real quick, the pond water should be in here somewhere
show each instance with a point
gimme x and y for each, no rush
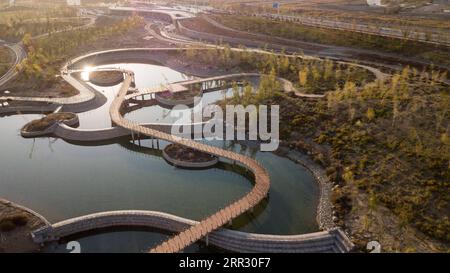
(146, 76)
(61, 180)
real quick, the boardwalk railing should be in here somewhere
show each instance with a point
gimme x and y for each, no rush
(333, 240)
(223, 216)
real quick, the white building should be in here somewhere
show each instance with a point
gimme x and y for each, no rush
(12, 3)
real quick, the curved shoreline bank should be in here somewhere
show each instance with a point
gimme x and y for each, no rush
(324, 213)
(20, 239)
(333, 240)
(106, 78)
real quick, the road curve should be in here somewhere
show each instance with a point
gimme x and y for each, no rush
(347, 54)
(440, 38)
(21, 54)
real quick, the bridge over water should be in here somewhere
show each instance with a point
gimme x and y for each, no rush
(191, 231)
(223, 216)
(324, 241)
(207, 228)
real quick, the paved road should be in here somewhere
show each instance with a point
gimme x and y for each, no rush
(440, 38)
(90, 23)
(352, 55)
(173, 38)
(19, 55)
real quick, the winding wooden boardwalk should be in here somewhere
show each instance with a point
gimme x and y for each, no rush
(331, 240)
(223, 216)
(183, 85)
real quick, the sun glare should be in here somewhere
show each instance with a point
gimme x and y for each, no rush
(85, 73)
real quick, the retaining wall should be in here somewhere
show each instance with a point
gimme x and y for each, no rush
(191, 165)
(11, 110)
(325, 241)
(75, 134)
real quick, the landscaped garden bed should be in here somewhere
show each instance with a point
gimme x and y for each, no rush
(106, 78)
(181, 156)
(46, 124)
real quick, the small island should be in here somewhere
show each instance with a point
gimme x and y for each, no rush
(106, 78)
(185, 157)
(46, 124)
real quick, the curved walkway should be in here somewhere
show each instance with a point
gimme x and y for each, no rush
(287, 85)
(167, 37)
(191, 231)
(333, 240)
(223, 216)
(88, 98)
(20, 55)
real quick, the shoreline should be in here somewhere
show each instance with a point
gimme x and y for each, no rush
(324, 211)
(19, 239)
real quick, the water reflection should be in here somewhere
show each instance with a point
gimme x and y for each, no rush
(146, 76)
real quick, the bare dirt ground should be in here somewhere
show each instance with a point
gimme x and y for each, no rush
(18, 240)
(380, 224)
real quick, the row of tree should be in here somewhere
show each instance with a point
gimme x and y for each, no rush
(436, 54)
(16, 24)
(309, 75)
(398, 131)
(44, 53)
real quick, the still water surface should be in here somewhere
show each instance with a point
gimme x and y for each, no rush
(61, 180)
